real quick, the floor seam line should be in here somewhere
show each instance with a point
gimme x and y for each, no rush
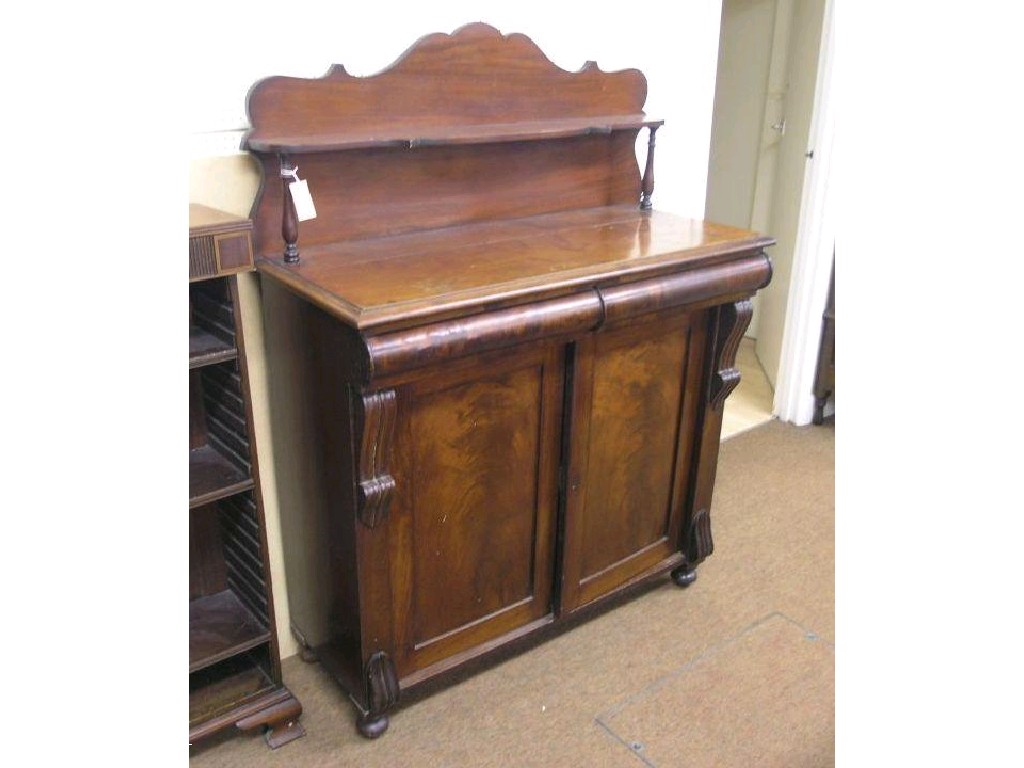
(615, 709)
(607, 729)
(807, 631)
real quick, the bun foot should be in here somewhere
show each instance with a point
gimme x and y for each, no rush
(684, 575)
(372, 726)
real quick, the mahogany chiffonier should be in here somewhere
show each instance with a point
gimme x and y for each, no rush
(234, 663)
(497, 373)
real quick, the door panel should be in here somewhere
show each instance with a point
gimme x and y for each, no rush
(633, 427)
(473, 528)
(479, 495)
(632, 423)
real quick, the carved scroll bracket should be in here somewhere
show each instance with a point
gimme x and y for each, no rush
(376, 486)
(382, 693)
(701, 545)
(732, 322)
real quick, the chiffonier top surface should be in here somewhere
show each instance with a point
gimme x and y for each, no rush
(385, 281)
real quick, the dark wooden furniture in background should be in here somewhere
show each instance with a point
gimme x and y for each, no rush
(825, 376)
(497, 374)
(234, 663)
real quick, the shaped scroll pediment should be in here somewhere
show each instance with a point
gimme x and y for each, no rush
(475, 76)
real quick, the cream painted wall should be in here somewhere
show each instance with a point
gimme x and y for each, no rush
(227, 182)
(674, 44)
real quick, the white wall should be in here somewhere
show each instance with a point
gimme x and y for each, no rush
(675, 44)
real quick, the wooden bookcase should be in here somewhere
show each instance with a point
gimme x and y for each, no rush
(234, 661)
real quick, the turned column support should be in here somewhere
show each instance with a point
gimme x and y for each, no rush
(376, 422)
(381, 695)
(289, 218)
(647, 184)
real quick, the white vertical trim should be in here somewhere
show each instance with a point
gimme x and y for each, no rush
(812, 257)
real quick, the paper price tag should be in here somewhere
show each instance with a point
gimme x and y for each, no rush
(303, 201)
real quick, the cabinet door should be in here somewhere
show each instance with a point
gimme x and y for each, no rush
(473, 516)
(634, 405)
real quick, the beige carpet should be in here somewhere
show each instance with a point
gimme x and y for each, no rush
(738, 670)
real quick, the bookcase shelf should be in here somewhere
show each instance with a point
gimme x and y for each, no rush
(220, 626)
(218, 690)
(212, 477)
(206, 349)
